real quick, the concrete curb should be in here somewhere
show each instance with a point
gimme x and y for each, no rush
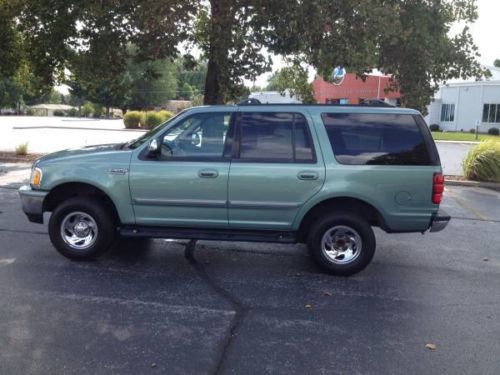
(76, 128)
(468, 183)
(459, 142)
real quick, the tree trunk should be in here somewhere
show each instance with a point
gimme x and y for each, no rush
(107, 111)
(220, 40)
(213, 94)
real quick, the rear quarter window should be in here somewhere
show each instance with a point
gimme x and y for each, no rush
(376, 139)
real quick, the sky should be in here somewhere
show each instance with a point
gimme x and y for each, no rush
(486, 31)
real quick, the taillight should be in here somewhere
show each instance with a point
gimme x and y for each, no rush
(437, 188)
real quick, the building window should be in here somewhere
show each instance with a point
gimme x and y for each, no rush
(491, 113)
(448, 112)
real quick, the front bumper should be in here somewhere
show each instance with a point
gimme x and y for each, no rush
(32, 201)
(439, 221)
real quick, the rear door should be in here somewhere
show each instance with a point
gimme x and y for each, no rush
(388, 159)
(275, 168)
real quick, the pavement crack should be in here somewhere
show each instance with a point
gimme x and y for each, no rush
(239, 308)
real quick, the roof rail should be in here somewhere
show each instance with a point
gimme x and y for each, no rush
(250, 101)
(256, 102)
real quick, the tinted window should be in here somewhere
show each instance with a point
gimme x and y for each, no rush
(275, 137)
(376, 139)
(199, 135)
(303, 141)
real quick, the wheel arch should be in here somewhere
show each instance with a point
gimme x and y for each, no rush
(341, 203)
(68, 190)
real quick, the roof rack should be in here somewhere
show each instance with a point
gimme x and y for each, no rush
(317, 105)
(366, 103)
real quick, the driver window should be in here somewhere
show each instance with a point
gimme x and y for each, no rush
(200, 135)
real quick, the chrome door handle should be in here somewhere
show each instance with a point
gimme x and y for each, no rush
(307, 175)
(208, 173)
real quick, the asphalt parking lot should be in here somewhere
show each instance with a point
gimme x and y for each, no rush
(245, 308)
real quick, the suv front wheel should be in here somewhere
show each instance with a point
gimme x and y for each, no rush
(341, 243)
(81, 228)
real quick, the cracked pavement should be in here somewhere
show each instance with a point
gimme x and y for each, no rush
(248, 308)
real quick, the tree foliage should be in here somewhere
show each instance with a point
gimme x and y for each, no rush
(293, 78)
(409, 39)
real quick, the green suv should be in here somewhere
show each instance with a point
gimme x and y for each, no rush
(316, 174)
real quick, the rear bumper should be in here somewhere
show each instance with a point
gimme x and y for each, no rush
(32, 201)
(439, 221)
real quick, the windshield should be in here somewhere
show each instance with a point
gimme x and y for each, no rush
(133, 144)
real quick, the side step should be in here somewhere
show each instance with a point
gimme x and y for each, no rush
(209, 234)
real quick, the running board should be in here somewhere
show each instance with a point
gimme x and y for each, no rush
(209, 234)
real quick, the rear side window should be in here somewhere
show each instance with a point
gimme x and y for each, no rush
(274, 137)
(376, 139)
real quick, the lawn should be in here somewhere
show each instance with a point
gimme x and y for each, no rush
(462, 136)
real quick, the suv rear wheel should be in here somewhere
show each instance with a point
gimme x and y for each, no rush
(81, 228)
(341, 243)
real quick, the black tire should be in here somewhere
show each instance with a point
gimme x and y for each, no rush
(105, 234)
(338, 222)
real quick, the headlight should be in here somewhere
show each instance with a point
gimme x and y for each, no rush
(36, 177)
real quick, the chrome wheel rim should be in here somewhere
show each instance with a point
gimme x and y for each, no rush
(79, 230)
(341, 244)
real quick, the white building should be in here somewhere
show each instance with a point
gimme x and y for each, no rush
(49, 109)
(268, 97)
(458, 106)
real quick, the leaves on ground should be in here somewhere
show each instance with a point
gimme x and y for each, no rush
(431, 346)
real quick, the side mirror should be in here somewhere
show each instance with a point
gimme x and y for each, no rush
(153, 147)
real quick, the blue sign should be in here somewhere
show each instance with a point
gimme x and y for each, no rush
(338, 75)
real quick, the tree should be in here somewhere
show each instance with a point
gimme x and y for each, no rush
(191, 72)
(153, 82)
(231, 46)
(407, 38)
(77, 94)
(419, 52)
(91, 39)
(10, 41)
(497, 63)
(293, 78)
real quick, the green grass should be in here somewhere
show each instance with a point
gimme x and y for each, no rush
(459, 136)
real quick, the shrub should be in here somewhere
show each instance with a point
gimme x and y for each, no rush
(98, 110)
(152, 119)
(493, 131)
(472, 131)
(73, 112)
(22, 149)
(30, 112)
(143, 119)
(58, 113)
(482, 163)
(132, 119)
(165, 115)
(87, 109)
(434, 128)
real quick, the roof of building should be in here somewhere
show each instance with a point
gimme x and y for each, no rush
(52, 107)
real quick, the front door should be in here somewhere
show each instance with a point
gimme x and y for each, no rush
(187, 185)
(275, 169)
